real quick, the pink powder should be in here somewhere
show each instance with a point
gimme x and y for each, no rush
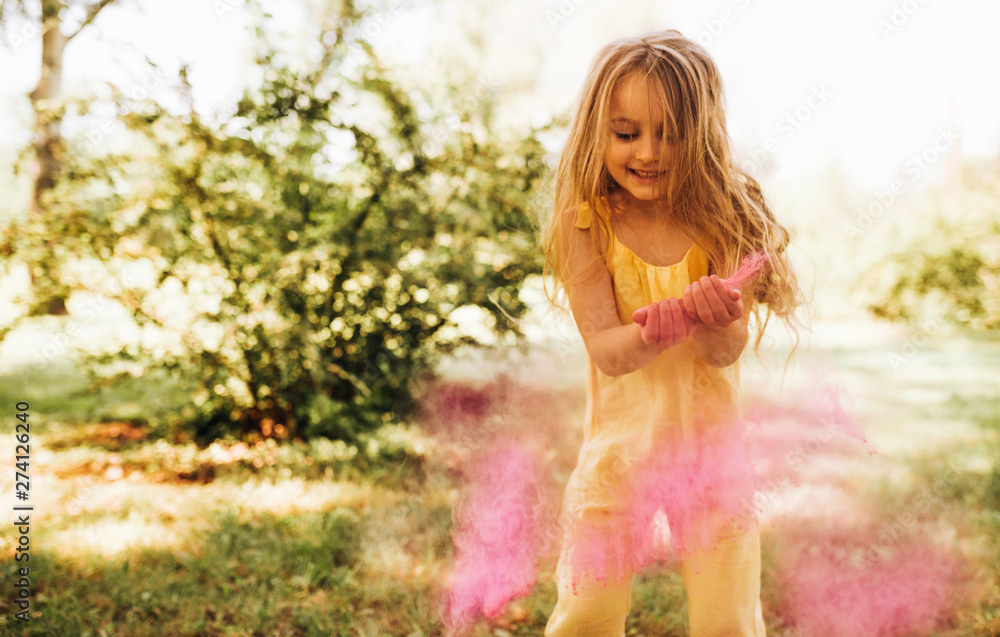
(710, 486)
(469, 418)
(501, 443)
(836, 594)
(505, 523)
(495, 536)
(704, 486)
(750, 267)
(788, 436)
(454, 410)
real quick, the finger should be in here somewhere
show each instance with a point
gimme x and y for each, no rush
(651, 330)
(734, 286)
(692, 315)
(689, 322)
(639, 316)
(678, 323)
(666, 322)
(688, 301)
(730, 298)
(705, 313)
(717, 299)
(738, 310)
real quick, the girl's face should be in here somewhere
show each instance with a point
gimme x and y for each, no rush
(635, 130)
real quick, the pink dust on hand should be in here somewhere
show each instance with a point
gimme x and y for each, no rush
(497, 530)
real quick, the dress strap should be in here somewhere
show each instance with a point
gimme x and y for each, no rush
(584, 215)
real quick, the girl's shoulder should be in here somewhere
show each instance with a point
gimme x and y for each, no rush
(598, 215)
(594, 220)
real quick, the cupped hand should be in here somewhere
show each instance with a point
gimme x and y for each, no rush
(721, 300)
(712, 302)
(664, 323)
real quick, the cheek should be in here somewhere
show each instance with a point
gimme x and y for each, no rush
(618, 154)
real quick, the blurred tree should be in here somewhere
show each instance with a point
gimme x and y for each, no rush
(301, 258)
(48, 18)
(950, 271)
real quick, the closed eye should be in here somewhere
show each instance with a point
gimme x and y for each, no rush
(626, 136)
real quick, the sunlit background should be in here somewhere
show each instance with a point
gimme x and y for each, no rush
(896, 72)
(824, 100)
(873, 127)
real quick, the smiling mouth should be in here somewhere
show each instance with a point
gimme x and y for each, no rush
(645, 174)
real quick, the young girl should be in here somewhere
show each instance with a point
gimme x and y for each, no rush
(651, 215)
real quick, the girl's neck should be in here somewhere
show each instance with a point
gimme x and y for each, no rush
(628, 206)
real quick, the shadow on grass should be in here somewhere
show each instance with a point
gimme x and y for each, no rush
(269, 575)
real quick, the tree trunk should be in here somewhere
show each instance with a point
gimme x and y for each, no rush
(48, 136)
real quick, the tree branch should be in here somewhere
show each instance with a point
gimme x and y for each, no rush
(92, 12)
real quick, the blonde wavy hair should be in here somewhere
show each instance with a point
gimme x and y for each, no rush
(709, 196)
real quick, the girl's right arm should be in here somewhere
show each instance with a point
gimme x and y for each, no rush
(616, 349)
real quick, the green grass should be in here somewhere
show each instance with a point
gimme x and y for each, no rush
(247, 578)
(135, 536)
(659, 606)
(59, 396)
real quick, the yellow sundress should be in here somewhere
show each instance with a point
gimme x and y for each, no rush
(676, 395)
(674, 398)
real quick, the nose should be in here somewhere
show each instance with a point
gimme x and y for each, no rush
(647, 149)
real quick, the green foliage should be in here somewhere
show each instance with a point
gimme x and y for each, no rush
(950, 272)
(992, 495)
(295, 265)
(950, 280)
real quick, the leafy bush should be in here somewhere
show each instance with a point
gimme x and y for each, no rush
(295, 265)
(950, 271)
(952, 281)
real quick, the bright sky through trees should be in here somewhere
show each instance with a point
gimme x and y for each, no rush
(867, 85)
